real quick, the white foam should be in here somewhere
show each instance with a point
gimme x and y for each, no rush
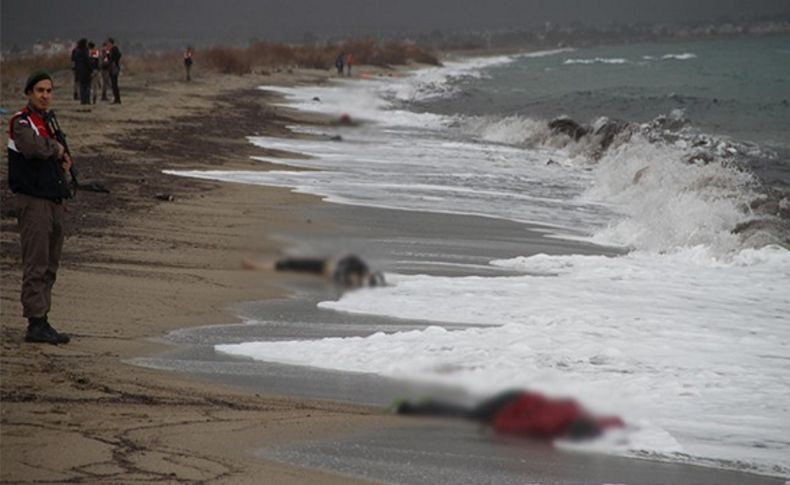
(359, 100)
(641, 194)
(668, 202)
(687, 338)
(679, 57)
(514, 130)
(598, 60)
(443, 81)
(685, 346)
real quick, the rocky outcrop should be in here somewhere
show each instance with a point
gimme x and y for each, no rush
(567, 126)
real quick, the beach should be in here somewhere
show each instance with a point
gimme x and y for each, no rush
(135, 267)
(151, 281)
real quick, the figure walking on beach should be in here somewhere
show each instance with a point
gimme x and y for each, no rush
(115, 69)
(188, 62)
(339, 62)
(37, 164)
(349, 62)
(523, 413)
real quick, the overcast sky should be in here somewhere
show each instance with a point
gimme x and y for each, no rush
(207, 21)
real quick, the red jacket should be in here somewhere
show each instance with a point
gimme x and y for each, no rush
(540, 417)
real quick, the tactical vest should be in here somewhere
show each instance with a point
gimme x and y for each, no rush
(43, 178)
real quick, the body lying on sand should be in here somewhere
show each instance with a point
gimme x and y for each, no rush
(522, 413)
(348, 272)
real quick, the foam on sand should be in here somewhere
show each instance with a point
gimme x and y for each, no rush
(684, 346)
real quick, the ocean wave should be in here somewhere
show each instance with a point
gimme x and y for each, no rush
(679, 57)
(667, 202)
(597, 60)
(512, 130)
(674, 187)
(442, 81)
(685, 56)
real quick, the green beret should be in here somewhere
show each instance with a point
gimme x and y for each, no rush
(35, 77)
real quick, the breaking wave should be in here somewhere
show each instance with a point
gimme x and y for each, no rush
(673, 186)
(597, 60)
(679, 57)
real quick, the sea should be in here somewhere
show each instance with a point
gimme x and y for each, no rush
(673, 156)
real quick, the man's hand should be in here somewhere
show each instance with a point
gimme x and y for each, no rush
(66, 162)
(61, 152)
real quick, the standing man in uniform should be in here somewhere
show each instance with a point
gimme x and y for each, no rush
(95, 61)
(37, 165)
(105, 70)
(115, 69)
(82, 69)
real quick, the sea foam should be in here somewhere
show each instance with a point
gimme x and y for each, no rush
(681, 345)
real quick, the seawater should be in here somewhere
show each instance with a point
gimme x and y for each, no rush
(686, 335)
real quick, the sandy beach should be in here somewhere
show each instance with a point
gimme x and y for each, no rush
(162, 253)
(135, 267)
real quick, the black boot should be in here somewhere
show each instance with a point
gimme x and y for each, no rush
(40, 331)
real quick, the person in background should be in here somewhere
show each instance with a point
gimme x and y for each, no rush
(37, 165)
(339, 62)
(75, 86)
(188, 62)
(95, 62)
(349, 62)
(82, 70)
(523, 413)
(105, 70)
(115, 69)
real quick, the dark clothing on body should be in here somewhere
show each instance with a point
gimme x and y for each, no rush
(349, 271)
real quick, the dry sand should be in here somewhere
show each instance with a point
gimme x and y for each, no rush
(135, 267)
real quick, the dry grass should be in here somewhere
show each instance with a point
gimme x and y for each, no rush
(152, 63)
(226, 60)
(272, 55)
(16, 71)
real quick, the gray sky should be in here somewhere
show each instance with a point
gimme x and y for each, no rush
(207, 21)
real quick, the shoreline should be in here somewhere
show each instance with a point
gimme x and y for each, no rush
(297, 317)
(337, 213)
(341, 210)
(195, 430)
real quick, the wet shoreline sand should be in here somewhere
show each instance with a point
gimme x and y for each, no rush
(414, 450)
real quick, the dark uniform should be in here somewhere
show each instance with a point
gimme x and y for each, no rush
(115, 69)
(83, 70)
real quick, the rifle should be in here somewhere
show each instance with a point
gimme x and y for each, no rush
(54, 128)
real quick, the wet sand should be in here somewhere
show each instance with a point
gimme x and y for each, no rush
(135, 267)
(418, 451)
